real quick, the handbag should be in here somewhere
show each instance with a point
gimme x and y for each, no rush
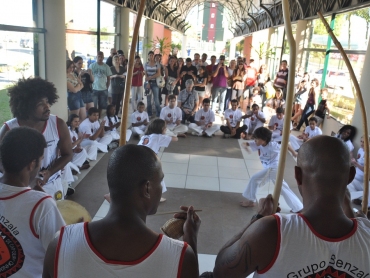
(161, 82)
(170, 84)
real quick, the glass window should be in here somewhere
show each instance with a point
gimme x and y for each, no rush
(12, 14)
(82, 45)
(107, 17)
(16, 56)
(81, 15)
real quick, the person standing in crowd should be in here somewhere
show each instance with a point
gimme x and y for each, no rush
(173, 77)
(322, 109)
(158, 60)
(239, 75)
(86, 79)
(196, 62)
(300, 99)
(152, 71)
(125, 245)
(137, 83)
(330, 228)
(219, 86)
(201, 83)
(74, 87)
(229, 83)
(204, 60)
(210, 76)
(30, 102)
(281, 79)
(30, 218)
(250, 82)
(310, 104)
(109, 61)
(188, 71)
(263, 78)
(188, 102)
(118, 82)
(101, 79)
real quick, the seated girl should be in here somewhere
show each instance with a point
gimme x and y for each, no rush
(112, 123)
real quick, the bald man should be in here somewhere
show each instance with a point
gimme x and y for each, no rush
(321, 241)
(121, 245)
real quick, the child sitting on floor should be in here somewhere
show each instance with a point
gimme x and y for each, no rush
(253, 119)
(112, 123)
(276, 124)
(139, 120)
(269, 153)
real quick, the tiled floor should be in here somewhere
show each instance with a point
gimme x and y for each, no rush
(209, 173)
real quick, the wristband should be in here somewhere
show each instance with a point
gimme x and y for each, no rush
(256, 217)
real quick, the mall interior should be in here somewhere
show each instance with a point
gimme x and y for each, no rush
(36, 37)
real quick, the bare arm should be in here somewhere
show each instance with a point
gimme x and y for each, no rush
(74, 89)
(226, 72)
(190, 264)
(99, 132)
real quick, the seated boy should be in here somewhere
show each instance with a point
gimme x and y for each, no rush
(233, 117)
(139, 120)
(172, 115)
(276, 124)
(253, 119)
(204, 119)
(310, 131)
(94, 131)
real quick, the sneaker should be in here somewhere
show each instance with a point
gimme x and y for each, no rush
(113, 145)
(209, 136)
(227, 135)
(70, 191)
(194, 133)
(162, 200)
(75, 178)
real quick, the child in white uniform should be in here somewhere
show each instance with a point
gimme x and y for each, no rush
(269, 152)
(310, 131)
(112, 123)
(346, 134)
(253, 119)
(276, 124)
(139, 120)
(204, 119)
(155, 137)
(94, 131)
(358, 182)
(172, 115)
(233, 117)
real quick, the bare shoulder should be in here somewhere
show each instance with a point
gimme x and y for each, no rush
(189, 264)
(62, 127)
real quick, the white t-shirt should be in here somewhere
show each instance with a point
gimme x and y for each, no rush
(348, 143)
(74, 136)
(28, 221)
(360, 160)
(269, 154)
(233, 116)
(274, 121)
(312, 133)
(172, 115)
(88, 127)
(113, 121)
(155, 141)
(254, 121)
(204, 117)
(139, 117)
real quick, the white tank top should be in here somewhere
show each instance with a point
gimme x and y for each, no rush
(302, 252)
(51, 135)
(28, 221)
(77, 257)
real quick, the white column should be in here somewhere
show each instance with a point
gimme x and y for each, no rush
(364, 85)
(184, 50)
(299, 40)
(124, 30)
(149, 30)
(233, 43)
(55, 53)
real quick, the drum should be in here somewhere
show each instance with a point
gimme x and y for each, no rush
(73, 212)
(173, 228)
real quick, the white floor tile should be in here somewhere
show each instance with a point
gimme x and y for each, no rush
(174, 180)
(175, 157)
(233, 185)
(254, 164)
(103, 210)
(233, 173)
(231, 162)
(174, 168)
(203, 160)
(202, 183)
(206, 262)
(203, 171)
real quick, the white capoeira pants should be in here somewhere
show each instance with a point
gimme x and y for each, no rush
(295, 142)
(138, 130)
(199, 129)
(67, 175)
(100, 143)
(356, 189)
(276, 135)
(92, 151)
(164, 188)
(79, 158)
(174, 131)
(265, 175)
(116, 136)
(55, 189)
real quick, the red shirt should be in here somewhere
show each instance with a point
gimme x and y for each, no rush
(137, 79)
(251, 76)
(209, 71)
